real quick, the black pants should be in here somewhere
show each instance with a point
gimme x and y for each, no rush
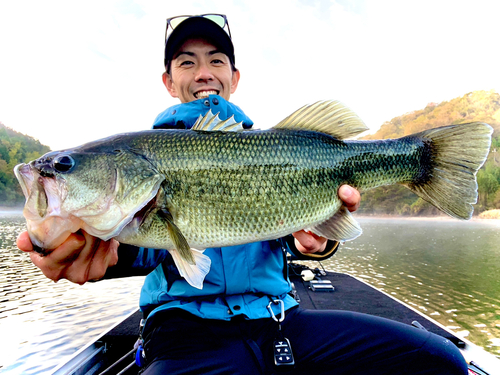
(323, 342)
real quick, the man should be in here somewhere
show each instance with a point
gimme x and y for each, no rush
(231, 324)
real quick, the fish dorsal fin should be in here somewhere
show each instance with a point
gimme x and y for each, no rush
(209, 122)
(330, 117)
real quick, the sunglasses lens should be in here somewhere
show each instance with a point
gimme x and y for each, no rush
(174, 22)
(219, 20)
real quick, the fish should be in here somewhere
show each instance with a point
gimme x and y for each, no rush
(219, 185)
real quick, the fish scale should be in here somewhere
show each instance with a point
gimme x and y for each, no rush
(249, 186)
(182, 190)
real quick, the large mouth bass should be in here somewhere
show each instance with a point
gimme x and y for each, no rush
(212, 186)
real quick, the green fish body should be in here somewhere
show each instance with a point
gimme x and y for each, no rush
(209, 187)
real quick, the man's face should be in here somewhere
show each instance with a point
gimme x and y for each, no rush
(199, 69)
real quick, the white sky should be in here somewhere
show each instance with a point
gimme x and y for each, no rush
(75, 71)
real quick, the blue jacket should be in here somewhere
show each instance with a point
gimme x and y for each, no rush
(242, 279)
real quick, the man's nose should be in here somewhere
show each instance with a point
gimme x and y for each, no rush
(203, 73)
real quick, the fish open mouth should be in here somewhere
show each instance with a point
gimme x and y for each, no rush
(25, 176)
(37, 189)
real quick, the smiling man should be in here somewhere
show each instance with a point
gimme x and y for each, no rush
(200, 70)
(229, 326)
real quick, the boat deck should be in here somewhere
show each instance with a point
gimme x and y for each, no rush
(354, 295)
(349, 293)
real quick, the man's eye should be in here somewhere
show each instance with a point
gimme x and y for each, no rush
(186, 63)
(217, 61)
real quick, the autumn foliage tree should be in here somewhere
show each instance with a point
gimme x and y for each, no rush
(481, 106)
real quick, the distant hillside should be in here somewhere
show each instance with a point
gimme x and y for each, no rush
(15, 148)
(475, 106)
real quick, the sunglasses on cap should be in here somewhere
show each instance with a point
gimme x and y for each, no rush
(219, 19)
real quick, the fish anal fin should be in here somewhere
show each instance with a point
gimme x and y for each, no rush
(340, 227)
(193, 273)
(330, 117)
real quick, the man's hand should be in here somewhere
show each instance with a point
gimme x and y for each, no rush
(80, 258)
(309, 243)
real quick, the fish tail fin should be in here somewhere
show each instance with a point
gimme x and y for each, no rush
(456, 154)
(193, 273)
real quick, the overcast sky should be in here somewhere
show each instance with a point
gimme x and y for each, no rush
(75, 71)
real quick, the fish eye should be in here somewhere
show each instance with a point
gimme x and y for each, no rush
(63, 163)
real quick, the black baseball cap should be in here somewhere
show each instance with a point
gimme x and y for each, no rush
(211, 27)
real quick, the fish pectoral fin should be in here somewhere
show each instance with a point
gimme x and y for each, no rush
(193, 273)
(340, 227)
(178, 239)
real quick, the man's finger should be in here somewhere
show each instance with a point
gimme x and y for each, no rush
(350, 197)
(309, 242)
(23, 242)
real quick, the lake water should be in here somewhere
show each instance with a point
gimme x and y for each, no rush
(448, 269)
(42, 322)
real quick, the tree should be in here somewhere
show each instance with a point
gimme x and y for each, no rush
(15, 148)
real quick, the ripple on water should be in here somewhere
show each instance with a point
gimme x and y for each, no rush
(47, 322)
(457, 286)
(446, 269)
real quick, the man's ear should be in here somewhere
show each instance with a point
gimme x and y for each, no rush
(234, 81)
(169, 84)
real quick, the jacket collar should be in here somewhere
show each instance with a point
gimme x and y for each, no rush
(184, 115)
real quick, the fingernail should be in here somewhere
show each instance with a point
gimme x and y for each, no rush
(346, 191)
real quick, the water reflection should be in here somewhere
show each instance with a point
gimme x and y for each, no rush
(446, 269)
(43, 322)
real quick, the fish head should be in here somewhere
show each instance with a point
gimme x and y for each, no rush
(98, 191)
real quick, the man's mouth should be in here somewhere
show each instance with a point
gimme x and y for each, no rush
(205, 94)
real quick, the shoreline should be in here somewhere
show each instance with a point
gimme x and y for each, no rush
(430, 218)
(19, 211)
(10, 210)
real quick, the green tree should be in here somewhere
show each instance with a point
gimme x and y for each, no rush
(15, 148)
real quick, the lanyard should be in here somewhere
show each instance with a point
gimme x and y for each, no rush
(282, 349)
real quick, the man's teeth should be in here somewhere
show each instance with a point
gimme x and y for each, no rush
(205, 94)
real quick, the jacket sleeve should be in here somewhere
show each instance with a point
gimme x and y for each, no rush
(135, 261)
(289, 245)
